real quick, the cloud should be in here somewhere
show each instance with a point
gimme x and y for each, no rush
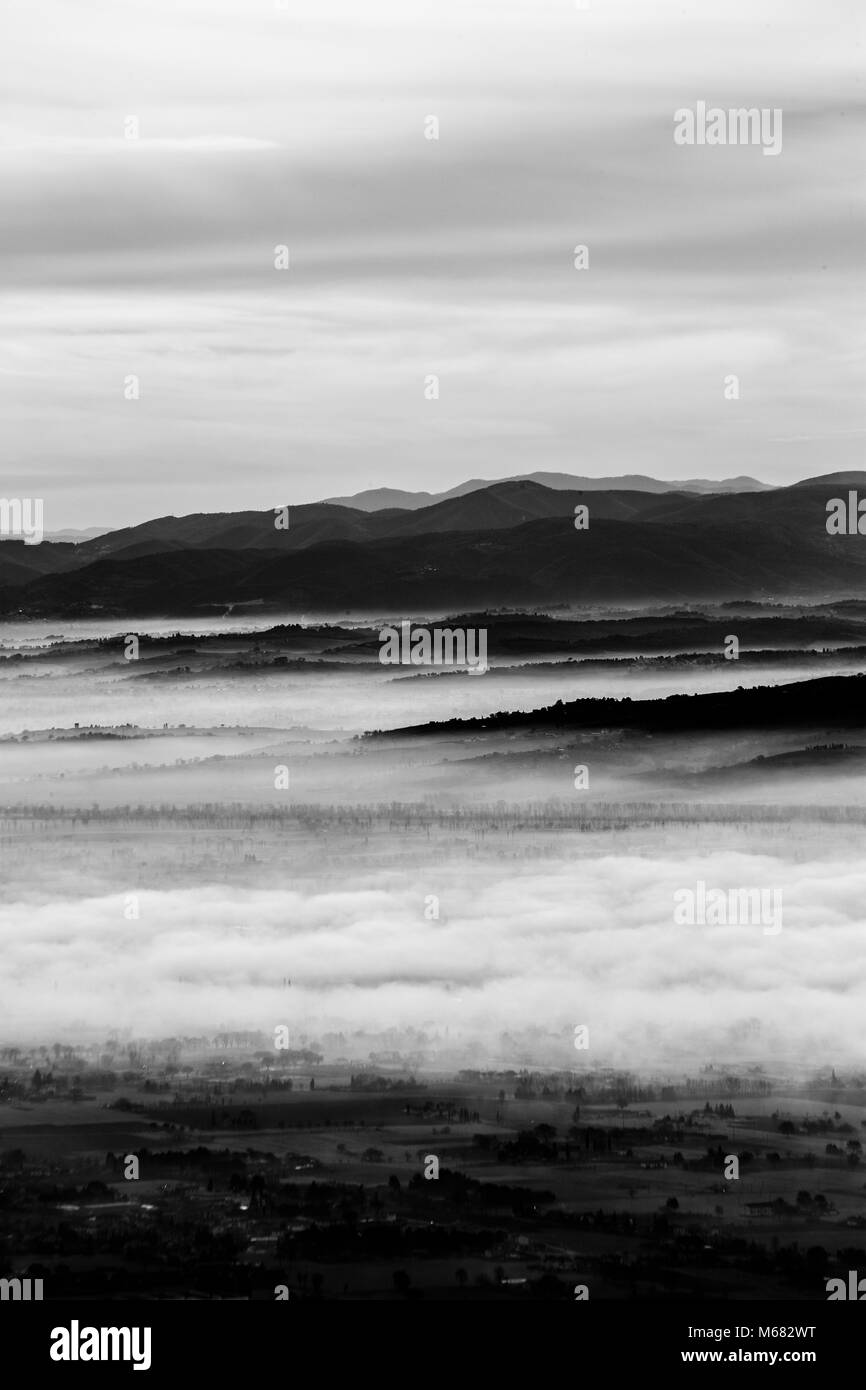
(528, 954)
(305, 127)
(84, 145)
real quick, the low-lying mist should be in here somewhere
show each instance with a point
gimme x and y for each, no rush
(492, 958)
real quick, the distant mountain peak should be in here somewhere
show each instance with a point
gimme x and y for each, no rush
(382, 498)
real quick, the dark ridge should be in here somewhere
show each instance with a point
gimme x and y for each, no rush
(831, 700)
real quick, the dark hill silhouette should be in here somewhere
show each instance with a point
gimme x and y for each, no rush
(513, 543)
(855, 478)
(20, 562)
(230, 531)
(493, 508)
(376, 499)
(535, 564)
(828, 702)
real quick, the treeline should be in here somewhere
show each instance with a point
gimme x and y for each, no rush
(834, 700)
(533, 816)
(466, 1191)
(193, 1160)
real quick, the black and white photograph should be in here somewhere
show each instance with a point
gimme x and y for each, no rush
(433, 662)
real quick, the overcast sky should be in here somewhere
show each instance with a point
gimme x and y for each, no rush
(304, 126)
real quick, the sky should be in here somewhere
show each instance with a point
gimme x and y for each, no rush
(154, 153)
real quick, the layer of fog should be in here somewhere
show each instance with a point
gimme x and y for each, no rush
(515, 951)
(581, 768)
(351, 700)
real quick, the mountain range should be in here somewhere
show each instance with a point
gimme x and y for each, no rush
(375, 499)
(506, 543)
